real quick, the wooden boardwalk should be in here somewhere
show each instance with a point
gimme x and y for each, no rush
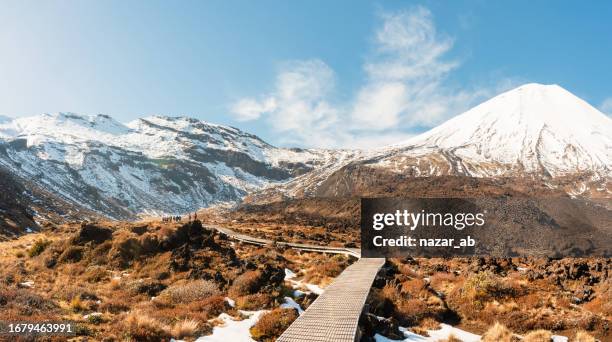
(300, 246)
(334, 315)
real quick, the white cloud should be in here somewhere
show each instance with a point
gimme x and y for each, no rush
(409, 53)
(298, 107)
(250, 109)
(302, 89)
(378, 106)
(606, 106)
(409, 48)
(404, 88)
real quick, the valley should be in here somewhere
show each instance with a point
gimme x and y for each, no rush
(82, 240)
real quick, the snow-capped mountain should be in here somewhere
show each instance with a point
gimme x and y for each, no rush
(156, 164)
(164, 165)
(535, 131)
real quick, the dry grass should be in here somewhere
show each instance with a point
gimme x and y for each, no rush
(77, 305)
(413, 287)
(538, 336)
(324, 269)
(408, 270)
(111, 278)
(497, 333)
(23, 304)
(71, 254)
(38, 247)
(115, 283)
(272, 324)
(483, 286)
(141, 327)
(441, 281)
(95, 274)
(245, 284)
(430, 324)
(452, 338)
(410, 302)
(210, 306)
(412, 311)
(189, 292)
(185, 328)
(603, 302)
(115, 306)
(583, 336)
(254, 301)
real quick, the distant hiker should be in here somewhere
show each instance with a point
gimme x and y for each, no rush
(195, 216)
(189, 217)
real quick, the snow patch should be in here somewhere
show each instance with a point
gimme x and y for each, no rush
(443, 333)
(230, 302)
(233, 330)
(291, 304)
(298, 284)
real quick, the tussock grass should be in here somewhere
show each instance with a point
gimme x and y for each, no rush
(538, 336)
(38, 247)
(497, 333)
(271, 324)
(189, 292)
(185, 328)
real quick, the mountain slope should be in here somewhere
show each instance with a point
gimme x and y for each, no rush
(536, 132)
(533, 129)
(541, 135)
(151, 165)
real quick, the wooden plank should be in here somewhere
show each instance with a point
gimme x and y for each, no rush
(299, 246)
(334, 315)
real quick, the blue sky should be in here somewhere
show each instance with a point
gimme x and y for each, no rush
(310, 73)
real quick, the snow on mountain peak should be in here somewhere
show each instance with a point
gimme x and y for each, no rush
(4, 119)
(62, 126)
(156, 163)
(535, 128)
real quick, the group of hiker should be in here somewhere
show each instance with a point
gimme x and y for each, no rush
(179, 218)
(176, 218)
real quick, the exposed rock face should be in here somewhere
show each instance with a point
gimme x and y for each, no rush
(15, 213)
